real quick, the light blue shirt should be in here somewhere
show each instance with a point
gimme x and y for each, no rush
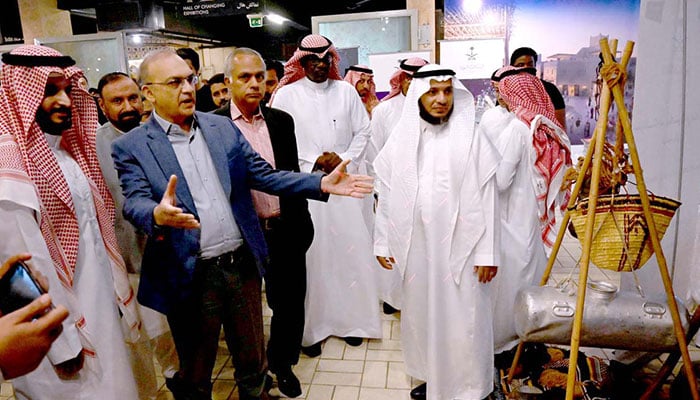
(220, 233)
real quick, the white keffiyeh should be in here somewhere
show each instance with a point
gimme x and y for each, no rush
(473, 161)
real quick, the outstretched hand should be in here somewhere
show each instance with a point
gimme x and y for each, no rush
(166, 214)
(343, 184)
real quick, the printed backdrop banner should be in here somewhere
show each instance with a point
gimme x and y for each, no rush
(472, 59)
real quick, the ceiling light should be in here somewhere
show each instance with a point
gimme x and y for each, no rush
(275, 18)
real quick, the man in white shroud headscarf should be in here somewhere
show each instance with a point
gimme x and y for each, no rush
(437, 222)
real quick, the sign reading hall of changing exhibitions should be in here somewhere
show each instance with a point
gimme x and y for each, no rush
(218, 8)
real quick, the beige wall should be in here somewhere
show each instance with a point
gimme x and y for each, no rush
(41, 19)
(426, 24)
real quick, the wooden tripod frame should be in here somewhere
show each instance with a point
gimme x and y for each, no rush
(596, 148)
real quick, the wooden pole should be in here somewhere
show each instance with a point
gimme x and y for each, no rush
(605, 93)
(601, 132)
(653, 234)
(601, 129)
(673, 357)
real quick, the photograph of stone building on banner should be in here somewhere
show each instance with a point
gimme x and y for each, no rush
(565, 38)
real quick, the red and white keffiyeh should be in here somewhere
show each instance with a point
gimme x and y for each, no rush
(528, 100)
(310, 45)
(406, 69)
(27, 158)
(357, 72)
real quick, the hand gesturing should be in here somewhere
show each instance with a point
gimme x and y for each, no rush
(166, 214)
(341, 183)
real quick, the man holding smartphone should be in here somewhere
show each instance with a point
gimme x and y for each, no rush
(54, 204)
(26, 334)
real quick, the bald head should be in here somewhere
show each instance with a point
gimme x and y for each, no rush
(146, 70)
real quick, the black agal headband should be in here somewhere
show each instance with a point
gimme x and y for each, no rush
(408, 67)
(435, 72)
(516, 71)
(37, 61)
(359, 69)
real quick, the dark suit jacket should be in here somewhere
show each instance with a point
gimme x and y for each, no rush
(145, 159)
(293, 209)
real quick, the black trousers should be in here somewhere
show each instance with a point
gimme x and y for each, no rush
(227, 291)
(285, 285)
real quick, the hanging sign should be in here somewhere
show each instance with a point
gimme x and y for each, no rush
(218, 8)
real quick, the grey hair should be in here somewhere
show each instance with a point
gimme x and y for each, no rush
(228, 65)
(151, 58)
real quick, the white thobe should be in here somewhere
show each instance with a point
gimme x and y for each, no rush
(156, 339)
(493, 122)
(384, 118)
(342, 297)
(524, 257)
(107, 376)
(446, 333)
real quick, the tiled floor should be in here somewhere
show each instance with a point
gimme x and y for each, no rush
(372, 371)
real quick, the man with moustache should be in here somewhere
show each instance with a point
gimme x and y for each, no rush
(437, 223)
(273, 73)
(219, 90)
(55, 205)
(187, 178)
(285, 220)
(361, 77)
(332, 125)
(119, 98)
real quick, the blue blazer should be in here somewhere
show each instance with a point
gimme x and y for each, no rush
(145, 160)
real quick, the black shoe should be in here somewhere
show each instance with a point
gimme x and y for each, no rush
(353, 341)
(183, 390)
(312, 351)
(287, 383)
(177, 386)
(419, 392)
(388, 308)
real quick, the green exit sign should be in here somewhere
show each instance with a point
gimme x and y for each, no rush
(255, 21)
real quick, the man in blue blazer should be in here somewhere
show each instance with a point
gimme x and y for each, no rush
(206, 253)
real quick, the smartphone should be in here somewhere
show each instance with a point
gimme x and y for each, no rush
(18, 288)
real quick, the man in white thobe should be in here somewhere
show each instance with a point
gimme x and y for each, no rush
(437, 222)
(55, 205)
(386, 116)
(517, 177)
(332, 125)
(120, 101)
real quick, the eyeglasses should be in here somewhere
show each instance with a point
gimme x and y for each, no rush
(177, 82)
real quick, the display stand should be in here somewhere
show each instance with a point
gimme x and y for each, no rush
(612, 90)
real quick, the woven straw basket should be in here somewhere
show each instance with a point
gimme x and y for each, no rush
(621, 236)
